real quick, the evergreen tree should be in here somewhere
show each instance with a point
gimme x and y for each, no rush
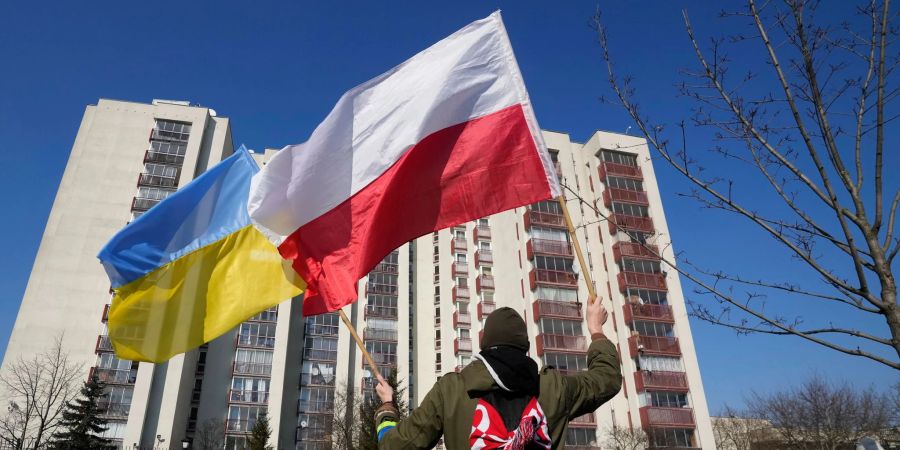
(368, 437)
(259, 436)
(81, 423)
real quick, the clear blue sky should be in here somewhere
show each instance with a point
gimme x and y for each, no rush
(276, 68)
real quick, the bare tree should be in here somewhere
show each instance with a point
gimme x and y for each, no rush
(734, 430)
(345, 421)
(210, 435)
(810, 129)
(37, 389)
(818, 415)
(626, 438)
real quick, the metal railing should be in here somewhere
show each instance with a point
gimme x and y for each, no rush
(249, 368)
(551, 247)
(552, 308)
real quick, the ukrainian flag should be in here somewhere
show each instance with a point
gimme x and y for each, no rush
(193, 267)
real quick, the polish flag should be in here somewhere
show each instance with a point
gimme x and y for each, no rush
(446, 137)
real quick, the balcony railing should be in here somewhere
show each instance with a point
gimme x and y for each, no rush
(485, 308)
(379, 334)
(548, 247)
(382, 289)
(381, 311)
(386, 268)
(114, 376)
(113, 409)
(462, 345)
(461, 318)
(248, 368)
(319, 355)
(164, 158)
(239, 425)
(658, 313)
(551, 277)
(653, 281)
(483, 257)
(382, 359)
(584, 421)
(558, 309)
(654, 345)
(667, 417)
(103, 344)
(481, 232)
(629, 223)
(544, 219)
(255, 341)
(458, 244)
(560, 343)
(619, 170)
(460, 292)
(105, 316)
(240, 396)
(146, 179)
(634, 250)
(460, 268)
(484, 282)
(158, 134)
(660, 380)
(314, 406)
(624, 195)
(143, 204)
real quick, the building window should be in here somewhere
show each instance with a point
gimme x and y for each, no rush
(553, 263)
(647, 296)
(660, 363)
(318, 373)
(672, 437)
(316, 399)
(320, 348)
(257, 334)
(653, 329)
(629, 184)
(548, 206)
(566, 362)
(322, 325)
(561, 327)
(629, 209)
(641, 265)
(171, 130)
(581, 437)
(628, 159)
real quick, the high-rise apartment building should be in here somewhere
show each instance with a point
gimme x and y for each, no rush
(420, 311)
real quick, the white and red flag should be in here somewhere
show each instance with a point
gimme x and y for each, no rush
(446, 137)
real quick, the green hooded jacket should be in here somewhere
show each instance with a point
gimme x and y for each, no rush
(449, 407)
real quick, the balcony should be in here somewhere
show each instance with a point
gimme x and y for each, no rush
(248, 368)
(587, 420)
(484, 282)
(655, 313)
(113, 409)
(319, 355)
(105, 317)
(557, 309)
(458, 244)
(625, 196)
(660, 380)
(114, 376)
(655, 416)
(381, 289)
(103, 344)
(462, 345)
(239, 425)
(560, 343)
(460, 269)
(551, 277)
(483, 257)
(379, 334)
(163, 158)
(165, 135)
(460, 292)
(629, 223)
(240, 396)
(389, 312)
(482, 233)
(654, 345)
(461, 318)
(381, 359)
(315, 406)
(652, 281)
(485, 308)
(143, 204)
(634, 250)
(255, 341)
(619, 170)
(548, 247)
(544, 219)
(146, 179)
(386, 268)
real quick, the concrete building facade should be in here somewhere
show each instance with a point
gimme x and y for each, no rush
(420, 311)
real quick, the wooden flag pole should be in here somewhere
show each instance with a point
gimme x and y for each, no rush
(585, 270)
(361, 345)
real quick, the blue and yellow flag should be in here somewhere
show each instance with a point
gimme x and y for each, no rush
(193, 267)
